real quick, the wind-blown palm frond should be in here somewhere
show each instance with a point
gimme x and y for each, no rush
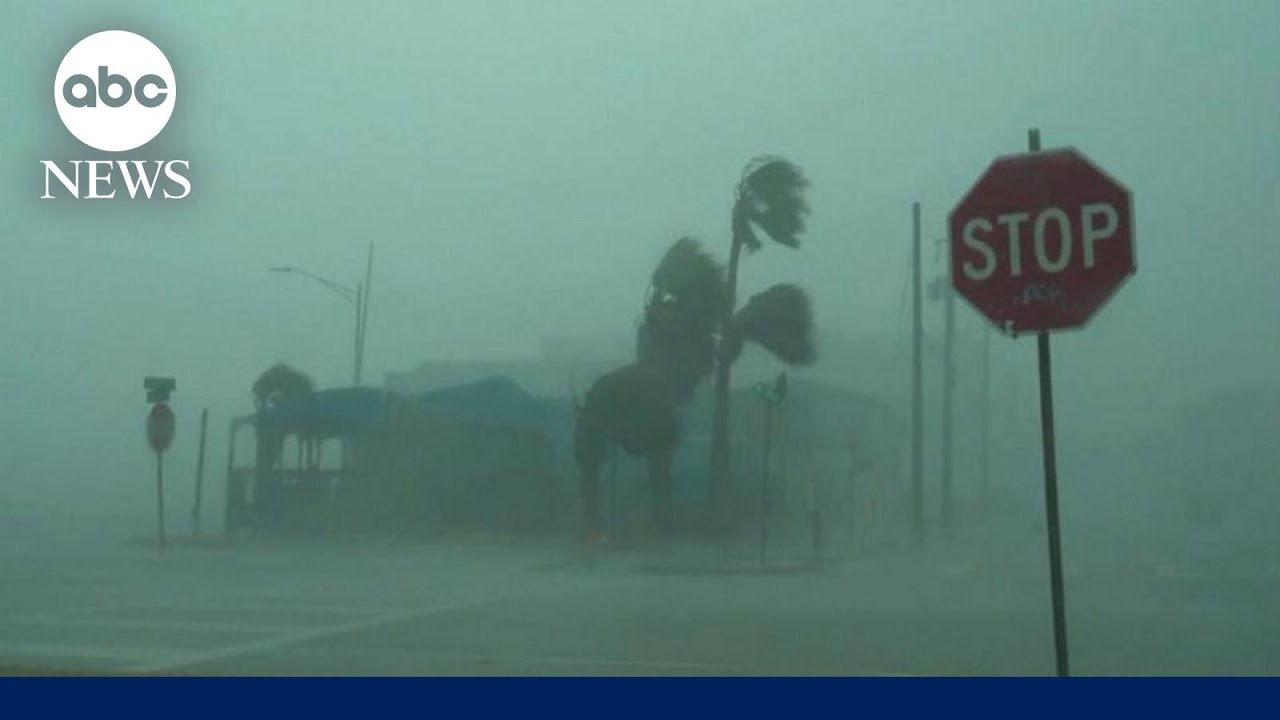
(780, 320)
(686, 301)
(672, 342)
(689, 274)
(771, 197)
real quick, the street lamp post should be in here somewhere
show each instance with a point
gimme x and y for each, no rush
(358, 364)
(359, 297)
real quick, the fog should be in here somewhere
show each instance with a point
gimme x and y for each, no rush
(521, 168)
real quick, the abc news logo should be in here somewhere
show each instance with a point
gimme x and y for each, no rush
(79, 91)
(115, 92)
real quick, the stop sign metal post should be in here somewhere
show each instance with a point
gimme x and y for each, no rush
(160, 431)
(1041, 242)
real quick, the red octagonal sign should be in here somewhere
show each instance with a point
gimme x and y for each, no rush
(1041, 241)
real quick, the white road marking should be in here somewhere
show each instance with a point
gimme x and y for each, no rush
(259, 604)
(124, 624)
(283, 638)
(669, 665)
(293, 638)
(295, 615)
(50, 651)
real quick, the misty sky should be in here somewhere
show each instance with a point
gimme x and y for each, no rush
(521, 166)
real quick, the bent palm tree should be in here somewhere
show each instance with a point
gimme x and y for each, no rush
(769, 199)
(280, 383)
(636, 407)
(678, 344)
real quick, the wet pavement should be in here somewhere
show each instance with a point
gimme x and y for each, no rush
(970, 604)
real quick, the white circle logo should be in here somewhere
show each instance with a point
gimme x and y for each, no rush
(115, 90)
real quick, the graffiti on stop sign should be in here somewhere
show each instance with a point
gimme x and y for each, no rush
(1044, 292)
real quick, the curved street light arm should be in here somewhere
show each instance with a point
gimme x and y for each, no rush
(345, 292)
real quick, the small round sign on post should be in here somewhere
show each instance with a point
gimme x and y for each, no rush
(160, 427)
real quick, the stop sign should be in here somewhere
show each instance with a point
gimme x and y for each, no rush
(1041, 241)
(160, 426)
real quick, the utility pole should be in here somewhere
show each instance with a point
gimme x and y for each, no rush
(362, 310)
(917, 382)
(984, 446)
(948, 381)
(358, 360)
(195, 509)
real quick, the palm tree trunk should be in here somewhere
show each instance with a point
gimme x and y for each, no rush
(720, 413)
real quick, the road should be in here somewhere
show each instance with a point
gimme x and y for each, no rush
(967, 605)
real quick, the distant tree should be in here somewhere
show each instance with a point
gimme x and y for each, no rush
(770, 199)
(280, 383)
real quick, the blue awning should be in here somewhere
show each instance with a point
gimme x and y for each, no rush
(337, 412)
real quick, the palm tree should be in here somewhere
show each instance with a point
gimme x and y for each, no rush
(636, 407)
(280, 383)
(770, 199)
(679, 342)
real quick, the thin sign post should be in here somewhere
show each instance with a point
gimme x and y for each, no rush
(160, 499)
(772, 397)
(1051, 484)
(195, 509)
